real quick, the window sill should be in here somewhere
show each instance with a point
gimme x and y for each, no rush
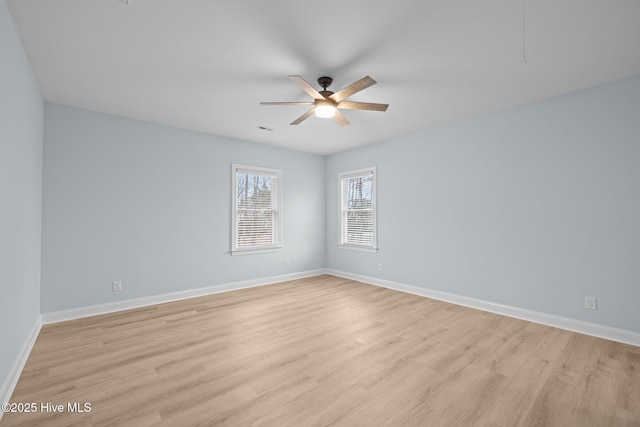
(359, 248)
(255, 251)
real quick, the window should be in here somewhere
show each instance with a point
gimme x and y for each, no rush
(256, 216)
(358, 209)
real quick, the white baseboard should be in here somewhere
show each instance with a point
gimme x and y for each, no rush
(14, 374)
(586, 328)
(93, 310)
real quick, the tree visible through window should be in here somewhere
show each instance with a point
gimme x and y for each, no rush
(358, 209)
(256, 208)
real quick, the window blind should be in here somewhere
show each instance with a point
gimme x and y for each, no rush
(358, 225)
(256, 208)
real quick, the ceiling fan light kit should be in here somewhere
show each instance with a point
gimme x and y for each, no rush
(327, 104)
(325, 110)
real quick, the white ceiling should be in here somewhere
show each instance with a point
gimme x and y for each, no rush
(205, 65)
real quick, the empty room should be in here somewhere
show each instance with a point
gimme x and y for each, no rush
(286, 213)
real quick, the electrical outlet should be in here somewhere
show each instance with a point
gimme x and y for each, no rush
(116, 286)
(379, 267)
(286, 263)
(590, 303)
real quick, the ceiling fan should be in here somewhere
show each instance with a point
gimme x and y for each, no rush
(327, 104)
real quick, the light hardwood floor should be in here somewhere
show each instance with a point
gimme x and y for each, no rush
(325, 351)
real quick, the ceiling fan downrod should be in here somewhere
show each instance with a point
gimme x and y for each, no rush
(325, 82)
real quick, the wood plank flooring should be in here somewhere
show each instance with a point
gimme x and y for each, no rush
(325, 351)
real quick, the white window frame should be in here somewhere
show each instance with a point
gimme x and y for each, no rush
(342, 177)
(276, 245)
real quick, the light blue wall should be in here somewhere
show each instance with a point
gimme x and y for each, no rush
(150, 205)
(535, 207)
(20, 195)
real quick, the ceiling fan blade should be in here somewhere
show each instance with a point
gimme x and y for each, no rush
(302, 83)
(340, 119)
(286, 103)
(303, 117)
(350, 105)
(353, 88)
